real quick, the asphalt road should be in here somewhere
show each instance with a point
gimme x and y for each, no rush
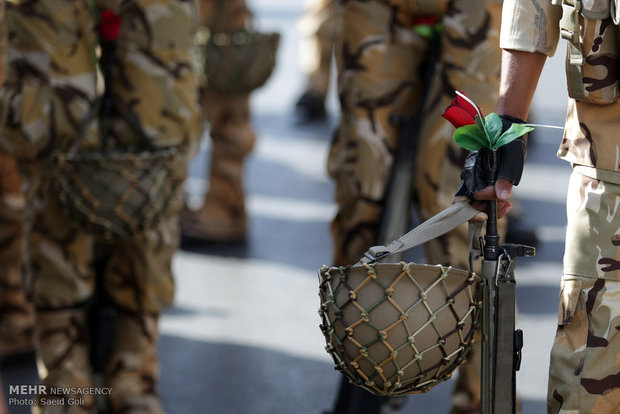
(243, 337)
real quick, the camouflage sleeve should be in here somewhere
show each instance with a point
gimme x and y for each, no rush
(530, 26)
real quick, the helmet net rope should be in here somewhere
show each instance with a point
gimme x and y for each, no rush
(117, 195)
(377, 328)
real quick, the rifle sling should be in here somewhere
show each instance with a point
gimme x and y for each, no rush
(448, 219)
(504, 398)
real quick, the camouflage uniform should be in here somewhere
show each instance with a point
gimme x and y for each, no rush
(50, 87)
(16, 314)
(380, 60)
(223, 215)
(584, 359)
(320, 28)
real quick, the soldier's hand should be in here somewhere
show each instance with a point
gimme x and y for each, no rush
(476, 173)
(501, 191)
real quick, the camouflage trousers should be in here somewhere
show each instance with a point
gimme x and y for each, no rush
(584, 359)
(50, 89)
(381, 64)
(226, 118)
(16, 313)
(380, 75)
(319, 27)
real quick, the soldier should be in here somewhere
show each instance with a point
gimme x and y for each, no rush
(222, 217)
(50, 89)
(584, 359)
(380, 58)
(16, 314)
(320, 28)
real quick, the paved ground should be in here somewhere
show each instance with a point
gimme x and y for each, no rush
(243, 335)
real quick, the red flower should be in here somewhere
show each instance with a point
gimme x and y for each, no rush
(461, 112)
(110, 25)
(426, 20)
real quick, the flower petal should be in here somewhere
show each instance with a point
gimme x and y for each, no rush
(110, 24)
(467, 106)
(458, 116)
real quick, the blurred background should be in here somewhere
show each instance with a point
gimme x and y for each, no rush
(243, 336)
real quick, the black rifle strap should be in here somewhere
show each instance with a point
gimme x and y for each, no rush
(504, 397)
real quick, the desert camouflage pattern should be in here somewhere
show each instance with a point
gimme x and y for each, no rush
(371, 91)
(593, 226)
(590, 136)
(131, 371)
(600, 45)
(584, 358)
(227, 119)
(469, 61)
(541, 33)
(379, 59)
(51, 85)
(16, 313)
(63, 356)
(319, 27)
(587, 138)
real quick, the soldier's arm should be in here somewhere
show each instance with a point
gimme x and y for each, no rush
(529, 33)
(520, 74)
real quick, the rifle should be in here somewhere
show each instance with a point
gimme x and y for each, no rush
(501, 343)
(399, 195)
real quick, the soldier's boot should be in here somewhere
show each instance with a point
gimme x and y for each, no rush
(133, 366)
(16, 313)
(223, 215)
(319, 28)
(63, 359)
(310, 107)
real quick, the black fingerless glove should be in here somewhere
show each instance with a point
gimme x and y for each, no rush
(512, 155)
(481, 170)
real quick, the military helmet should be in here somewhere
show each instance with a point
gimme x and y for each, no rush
(401, 328)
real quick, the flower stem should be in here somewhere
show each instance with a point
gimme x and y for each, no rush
(472, 104)
(543, 126)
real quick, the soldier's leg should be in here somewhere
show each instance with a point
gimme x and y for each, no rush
(223, 216)
(319, 28)
(378, 61)
(51, 82)
(584, 357)
(60, 258)
(139, 279)
(138, 275)
(133, 367)
(16, 313)
(469, 62)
